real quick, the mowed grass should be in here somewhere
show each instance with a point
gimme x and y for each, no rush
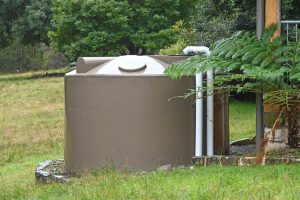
(31, 117)
(241, 120)
(31, 130)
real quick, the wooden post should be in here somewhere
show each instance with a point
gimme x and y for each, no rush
(267, 12)
(273, 14)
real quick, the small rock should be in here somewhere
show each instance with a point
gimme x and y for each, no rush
(212, 160)
(165, 168)
(247, 161)
(294, 160)
(277, 148)
(253, 139)
(140, 173)
(181, 167)
(273, 160)
(51, 171)
(198, 160)
(281, 134)
(229, 160)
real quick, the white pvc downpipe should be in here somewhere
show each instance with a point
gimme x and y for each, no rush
(199, 105)
(210, 114)
(199, 115)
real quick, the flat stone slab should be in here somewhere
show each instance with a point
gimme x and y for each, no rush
(241, 160)
(243, 141)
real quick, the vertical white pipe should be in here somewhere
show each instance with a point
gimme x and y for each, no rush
(199, 115)
(210, 114)
(199, 102)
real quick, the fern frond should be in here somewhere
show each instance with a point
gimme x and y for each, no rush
(266, 62)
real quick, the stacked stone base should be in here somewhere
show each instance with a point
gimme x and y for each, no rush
(241, 161)
(53, 170)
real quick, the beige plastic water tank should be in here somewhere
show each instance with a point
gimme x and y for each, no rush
(118, 113)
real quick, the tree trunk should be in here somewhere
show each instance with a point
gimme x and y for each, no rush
(33, 52)
(133, 50)
(144, 51)
(21, 59)
(33, 64)
(292, 127)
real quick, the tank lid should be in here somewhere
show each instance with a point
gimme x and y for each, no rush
(131, 65)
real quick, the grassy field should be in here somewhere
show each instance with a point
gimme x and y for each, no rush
(241, 120)
(31, 130)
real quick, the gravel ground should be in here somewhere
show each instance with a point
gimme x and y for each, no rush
(242, 150)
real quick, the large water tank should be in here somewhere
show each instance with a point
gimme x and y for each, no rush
(118, 113)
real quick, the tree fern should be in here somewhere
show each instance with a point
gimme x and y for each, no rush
(267, 66)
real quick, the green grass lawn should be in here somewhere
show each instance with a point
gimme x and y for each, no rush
(241, 120)
(31, 130)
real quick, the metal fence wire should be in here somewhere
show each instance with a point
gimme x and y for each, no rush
(291, 28)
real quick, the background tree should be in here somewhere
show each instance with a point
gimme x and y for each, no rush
(267, 65)
(115, 27)
(291, 9)
(151, 25)
(110, 27)
(23, 34)
(89, 28)
(216, 19)
(10, 11)
(32, 27)
(185, 36)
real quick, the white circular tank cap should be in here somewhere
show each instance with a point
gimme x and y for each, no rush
(132, 65)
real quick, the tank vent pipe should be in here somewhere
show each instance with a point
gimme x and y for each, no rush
(199, 105)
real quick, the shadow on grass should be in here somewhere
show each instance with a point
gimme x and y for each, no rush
(34, 75)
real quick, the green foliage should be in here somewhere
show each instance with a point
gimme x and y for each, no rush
(150, 24)
(185, 36)
(24, 20)
(273, 64)
(290, 9)
(32, 27)
(23, 34)
(52, 59)
(89, 28)
(215, 19)
(111, 27)
(245, 58)
(18, 57)
(11, 58)
(265, 65)
(10, 11)
(174, 49)
(270, 62)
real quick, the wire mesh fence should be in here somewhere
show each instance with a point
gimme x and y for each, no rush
(291, 28)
